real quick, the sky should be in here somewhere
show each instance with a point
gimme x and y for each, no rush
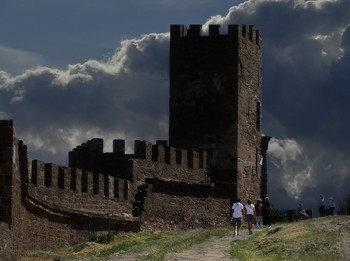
(75, 70)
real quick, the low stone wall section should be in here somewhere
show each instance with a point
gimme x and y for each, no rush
(176, 205)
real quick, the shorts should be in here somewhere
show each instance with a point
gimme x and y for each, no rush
(249, 217)
(236, 222)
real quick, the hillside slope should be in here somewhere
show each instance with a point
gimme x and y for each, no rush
(316, 239)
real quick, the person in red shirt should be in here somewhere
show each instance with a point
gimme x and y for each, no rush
(258, 214)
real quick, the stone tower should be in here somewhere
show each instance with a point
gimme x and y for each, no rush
(215, 99)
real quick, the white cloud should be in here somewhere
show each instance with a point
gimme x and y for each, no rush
(313, 3)
(284, 150)
(295, 170)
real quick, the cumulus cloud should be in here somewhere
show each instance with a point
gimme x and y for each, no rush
(285, 150)
(305, 96)
(55, 110)
(294, 170)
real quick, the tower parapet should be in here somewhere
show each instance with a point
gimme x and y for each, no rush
(234, 30)
(214, 29)
(119, 146)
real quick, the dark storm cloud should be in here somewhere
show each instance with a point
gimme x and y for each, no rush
(56, 110)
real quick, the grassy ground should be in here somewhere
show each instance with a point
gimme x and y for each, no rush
(317, 239)
(310, 240)
(157, 245)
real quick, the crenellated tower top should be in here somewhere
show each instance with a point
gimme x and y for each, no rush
(234, 31)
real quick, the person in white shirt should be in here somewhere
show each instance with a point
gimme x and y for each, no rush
(237, 214)
(250, 213)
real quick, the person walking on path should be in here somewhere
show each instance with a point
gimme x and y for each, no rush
(237, 214)
(258, 214)
(249, 215)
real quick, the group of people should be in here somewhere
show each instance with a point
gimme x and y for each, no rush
(326, 208)
(260, 213)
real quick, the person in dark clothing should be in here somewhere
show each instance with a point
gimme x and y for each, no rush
(301, 212)
(322, 206)
(266, 209)
(331, 206)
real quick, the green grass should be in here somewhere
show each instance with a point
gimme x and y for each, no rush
(305, 241)
(157, 245)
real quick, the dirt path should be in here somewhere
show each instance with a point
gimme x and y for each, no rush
(214, 249)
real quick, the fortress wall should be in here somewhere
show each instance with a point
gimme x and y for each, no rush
(35, 229)
(76, 190)
(90, 156)
(121, 165)
(6, 244)
(143, 169)
(23, 228)
(43, 215)
(148, 160)
(179, 205)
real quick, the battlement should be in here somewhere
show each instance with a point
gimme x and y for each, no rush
(170, 155)
(234, 30)
(88, 154)
(50, 175)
